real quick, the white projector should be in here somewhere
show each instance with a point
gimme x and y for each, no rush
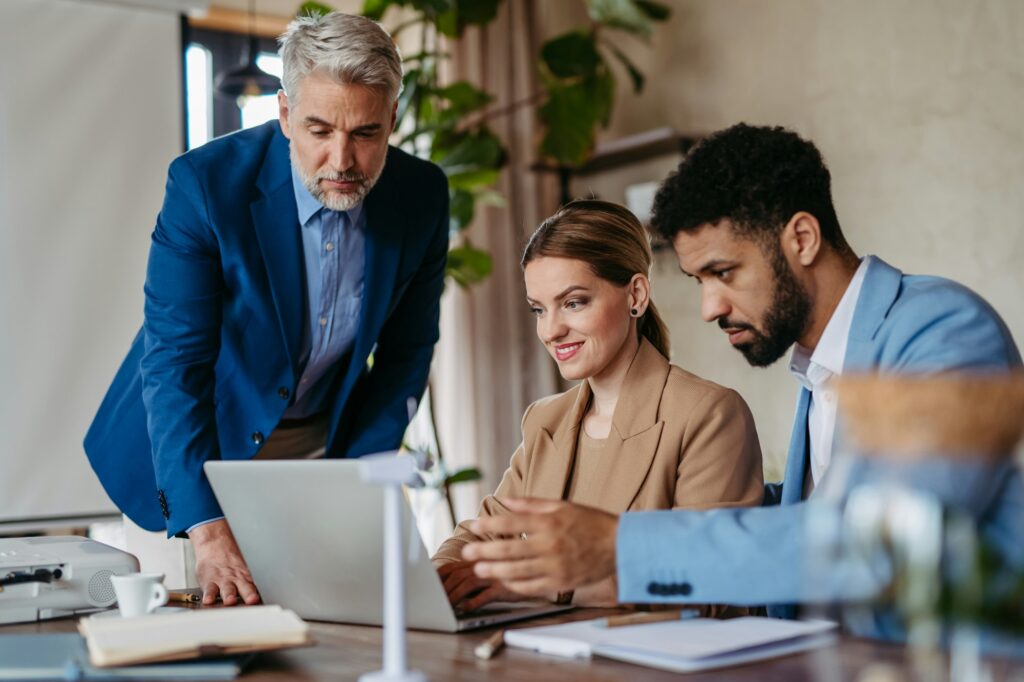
(58, 576)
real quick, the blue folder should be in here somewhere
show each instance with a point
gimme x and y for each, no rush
(65, 657)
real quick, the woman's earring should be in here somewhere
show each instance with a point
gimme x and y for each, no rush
(634, 312)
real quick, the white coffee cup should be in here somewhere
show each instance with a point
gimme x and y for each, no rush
(139, 593)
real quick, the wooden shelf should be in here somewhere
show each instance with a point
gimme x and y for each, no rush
(628, 150)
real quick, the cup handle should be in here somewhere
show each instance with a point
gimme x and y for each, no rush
(158, 599)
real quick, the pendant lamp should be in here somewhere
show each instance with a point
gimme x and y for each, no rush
(248, 79)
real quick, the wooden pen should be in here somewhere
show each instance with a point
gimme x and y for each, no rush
(649, 617)
(491, 646)
(183, 598)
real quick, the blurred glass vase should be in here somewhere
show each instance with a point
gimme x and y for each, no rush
(929, 507)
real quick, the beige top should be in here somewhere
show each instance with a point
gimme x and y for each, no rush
(676, 441)
(587, 483)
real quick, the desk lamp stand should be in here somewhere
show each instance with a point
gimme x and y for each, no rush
(391, 472)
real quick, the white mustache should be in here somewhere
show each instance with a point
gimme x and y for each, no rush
(342, 177)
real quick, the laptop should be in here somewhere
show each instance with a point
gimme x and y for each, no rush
(312, 535)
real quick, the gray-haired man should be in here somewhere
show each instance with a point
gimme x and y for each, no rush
(283, 257)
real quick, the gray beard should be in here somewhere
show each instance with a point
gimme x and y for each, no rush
(335, 201)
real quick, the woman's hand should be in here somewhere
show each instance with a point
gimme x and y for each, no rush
(468, 591)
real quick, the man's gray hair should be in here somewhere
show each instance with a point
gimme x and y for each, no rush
(348, 48)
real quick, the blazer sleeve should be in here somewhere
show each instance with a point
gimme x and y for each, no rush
(183, 292)
(720, 459)
(405, 346)
(513, 484)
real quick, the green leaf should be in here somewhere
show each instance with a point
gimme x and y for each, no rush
(463, 13)
(447, 23)
(463, 97)
(471, 180)
(601, 89)
(464, 476)
(431, 8)
(476, 12)
(634, 73)
(571, 114)
(472, 152)
(654, 10)
(571, 55)
(622, 14)
(568, 118)
(460, 209)
(374, 9)
(423, 56)
(491, 197)
(468, 265)
(309, 9)
(410, 87)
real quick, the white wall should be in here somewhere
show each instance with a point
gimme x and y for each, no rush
(90, 116)
(917, 106)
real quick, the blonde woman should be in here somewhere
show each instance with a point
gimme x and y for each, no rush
(636, 432)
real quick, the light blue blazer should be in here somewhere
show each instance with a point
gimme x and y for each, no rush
(902, 324)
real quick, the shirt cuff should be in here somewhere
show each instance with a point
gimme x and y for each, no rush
(203, 523)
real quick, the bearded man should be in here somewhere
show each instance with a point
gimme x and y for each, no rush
(750, 216)
(291, 303)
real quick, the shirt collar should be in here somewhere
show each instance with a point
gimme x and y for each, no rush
(308, 206)
(828, 357)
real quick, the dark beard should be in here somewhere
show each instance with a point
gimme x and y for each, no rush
(785, 321)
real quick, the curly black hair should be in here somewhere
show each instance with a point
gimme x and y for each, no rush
(757, 177)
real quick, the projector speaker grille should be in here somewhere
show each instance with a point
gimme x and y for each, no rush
(101, 590)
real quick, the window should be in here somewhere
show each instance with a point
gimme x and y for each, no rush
(209, 115)
(259, 110)
(199, 95)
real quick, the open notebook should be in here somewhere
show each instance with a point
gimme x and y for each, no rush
(195, 634)
(678, 645)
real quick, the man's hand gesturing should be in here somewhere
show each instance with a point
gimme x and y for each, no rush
(551, 547)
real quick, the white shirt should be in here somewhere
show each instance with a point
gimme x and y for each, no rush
(815, 370)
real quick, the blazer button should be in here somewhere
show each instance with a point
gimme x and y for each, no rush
(163, 504)
(257, 438)
(284, 393)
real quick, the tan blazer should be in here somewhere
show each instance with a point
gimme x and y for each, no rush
(679, 442)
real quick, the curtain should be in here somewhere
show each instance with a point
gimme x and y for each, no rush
(489, 364)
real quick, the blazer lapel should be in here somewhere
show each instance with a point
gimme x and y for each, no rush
(636, 428)
(881, 287)
(276, 223)
(554, 453)
(382, 251)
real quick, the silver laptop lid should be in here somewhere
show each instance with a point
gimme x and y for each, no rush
(311, 533)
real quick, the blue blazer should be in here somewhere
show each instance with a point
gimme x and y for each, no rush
(217, 360)
(902, 324)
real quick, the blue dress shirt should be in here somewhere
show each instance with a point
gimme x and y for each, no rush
(333, 251)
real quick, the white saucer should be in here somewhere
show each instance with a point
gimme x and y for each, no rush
(116, 613)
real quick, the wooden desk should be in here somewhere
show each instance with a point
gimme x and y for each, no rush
(343, 652)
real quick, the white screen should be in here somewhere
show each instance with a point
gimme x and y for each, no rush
(90, 117)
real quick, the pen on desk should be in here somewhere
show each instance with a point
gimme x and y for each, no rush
(491, 646)
(649, 617)
(184, 598)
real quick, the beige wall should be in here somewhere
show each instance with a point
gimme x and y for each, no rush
(917, 107)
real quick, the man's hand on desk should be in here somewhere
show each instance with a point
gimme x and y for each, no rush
(555, 546)
(220, 568)
(468, 592)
